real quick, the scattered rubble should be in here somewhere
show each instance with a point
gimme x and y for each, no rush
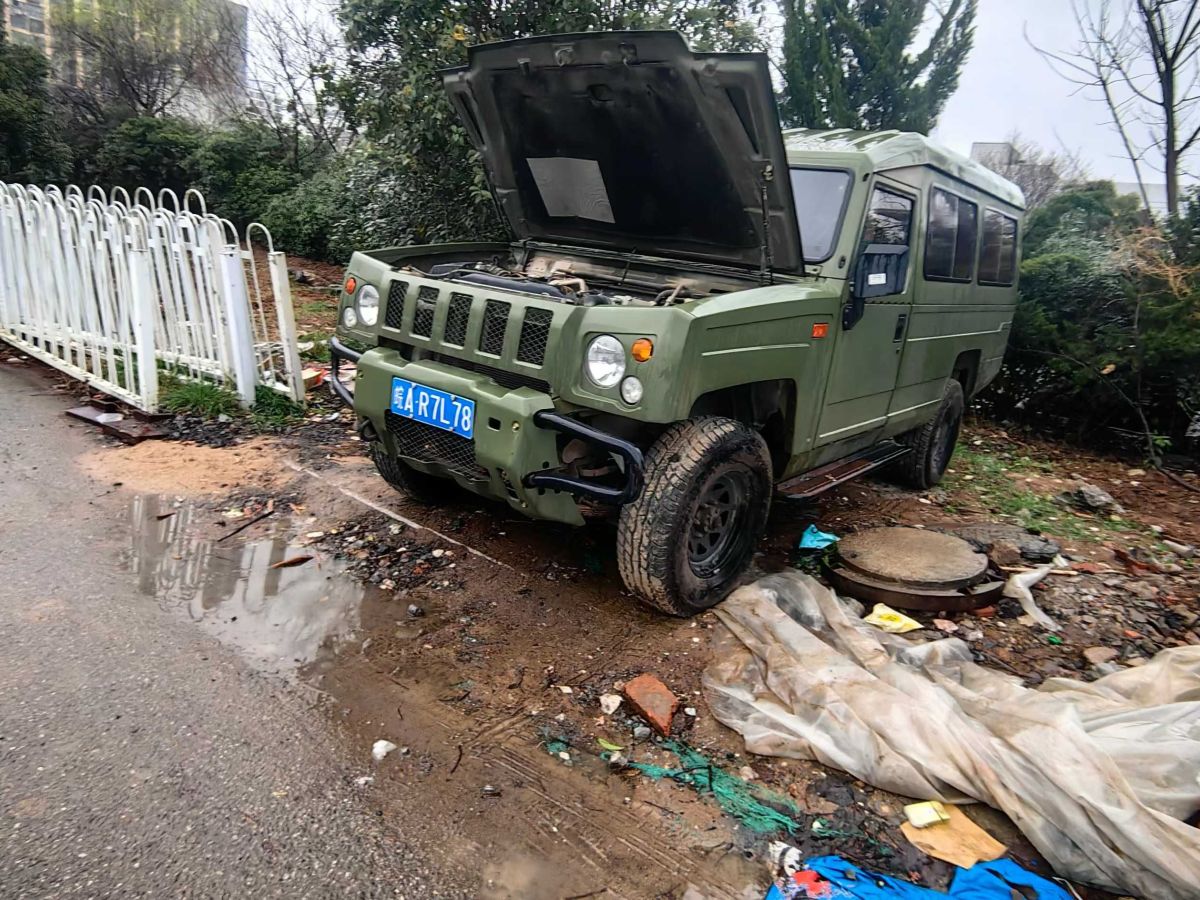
(381, 748)
(1090, 498)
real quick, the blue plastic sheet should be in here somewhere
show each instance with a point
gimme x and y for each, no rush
(983, 881)
(815, 539)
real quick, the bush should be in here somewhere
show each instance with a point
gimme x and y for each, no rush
(302, 221)
(150, 152)
(240, 170)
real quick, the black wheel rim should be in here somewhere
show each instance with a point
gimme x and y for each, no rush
(717, 523)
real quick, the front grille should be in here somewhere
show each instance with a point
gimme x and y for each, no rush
(457, 318)
(393, 316)
(429, 444)
(495, 321)
(510, 380)
(427, 297)
(535, 332)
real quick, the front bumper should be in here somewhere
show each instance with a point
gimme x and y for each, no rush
(514, 455)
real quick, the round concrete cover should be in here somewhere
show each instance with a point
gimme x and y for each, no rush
(912, 556)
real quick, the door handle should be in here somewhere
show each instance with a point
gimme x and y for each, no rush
(901, 324)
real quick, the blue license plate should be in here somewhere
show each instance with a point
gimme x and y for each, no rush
(433, 407)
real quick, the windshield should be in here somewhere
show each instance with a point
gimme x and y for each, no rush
(821, 196)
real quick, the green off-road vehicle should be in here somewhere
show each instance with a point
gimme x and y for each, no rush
(696, 309)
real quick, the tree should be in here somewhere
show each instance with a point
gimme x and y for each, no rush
(146, 151)
(421, 168)
(855, 63)
(1141, 57)
(30, 147)
(299, 57)
(1040, 174)
(150, 57)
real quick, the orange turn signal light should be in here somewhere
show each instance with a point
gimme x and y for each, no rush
(642, 349)
(351, 284)
(821, 329)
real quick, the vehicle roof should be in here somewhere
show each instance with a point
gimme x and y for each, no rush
(886, 150)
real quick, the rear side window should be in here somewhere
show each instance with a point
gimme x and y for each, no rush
(821, 196)
(998, 255)
(951, 237)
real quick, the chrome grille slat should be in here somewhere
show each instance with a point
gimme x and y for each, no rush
(429, 444)
(495, 323)
(393, 316)
(535, 333)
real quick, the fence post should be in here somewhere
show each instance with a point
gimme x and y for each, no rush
(281, 289)
(144, 315)
(237, 313)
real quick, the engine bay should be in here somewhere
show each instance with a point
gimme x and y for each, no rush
(579, 281)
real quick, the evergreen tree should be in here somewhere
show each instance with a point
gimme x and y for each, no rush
(30, 148)
(856, 63)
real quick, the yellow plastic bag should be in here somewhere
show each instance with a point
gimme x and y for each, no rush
(887, 619)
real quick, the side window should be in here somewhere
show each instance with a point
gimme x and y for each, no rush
(882, 268)
(950, 238)
(998, 255)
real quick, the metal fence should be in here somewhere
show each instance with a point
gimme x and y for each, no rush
(115, 289)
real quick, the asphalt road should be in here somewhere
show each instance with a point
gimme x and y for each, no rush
(137, 756)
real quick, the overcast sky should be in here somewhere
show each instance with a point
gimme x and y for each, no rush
(1006, 85)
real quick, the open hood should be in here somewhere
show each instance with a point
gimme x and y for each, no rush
(629, 141)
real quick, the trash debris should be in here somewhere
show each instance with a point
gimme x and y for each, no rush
(382, 748)
(414, 611)
(290, 562)
(1018, 588)
(945, 625)
(757, 807)
(834, 877)
(609, 703)
(690, 711)
(609, 745)
(1098, 656)
(129, 429)
(1098, 775)
(1183, 551)
(887, 619)
(653, 701)
(490, 791)
(958, 840)
(364, 780)
(922, 815)
(815, 539)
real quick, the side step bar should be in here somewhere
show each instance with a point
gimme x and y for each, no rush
(818, 481)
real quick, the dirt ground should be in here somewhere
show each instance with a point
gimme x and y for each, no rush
(483, 642)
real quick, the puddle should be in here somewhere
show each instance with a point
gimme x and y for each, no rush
(280, 619)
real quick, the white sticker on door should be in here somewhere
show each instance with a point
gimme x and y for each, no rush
(877, 278)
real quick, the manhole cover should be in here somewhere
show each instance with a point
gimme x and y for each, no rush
(914, 569)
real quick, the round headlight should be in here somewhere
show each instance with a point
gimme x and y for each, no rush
(605, 361)
(349, 317)
(632, 390)
(368, 304)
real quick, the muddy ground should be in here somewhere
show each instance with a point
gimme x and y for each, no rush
(480, 642)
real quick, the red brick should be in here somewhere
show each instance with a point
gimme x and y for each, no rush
(653, 701)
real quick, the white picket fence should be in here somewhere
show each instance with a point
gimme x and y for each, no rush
(114, 289)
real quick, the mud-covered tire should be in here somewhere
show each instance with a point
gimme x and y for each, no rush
(932, 445)
(697, 473)
(428, 490)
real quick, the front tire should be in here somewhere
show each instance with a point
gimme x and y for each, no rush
(428, 490)
(683, 544)
(932, 445)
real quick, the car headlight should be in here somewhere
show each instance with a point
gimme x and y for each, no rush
(368, 304)
(632, 390)
(605, 361)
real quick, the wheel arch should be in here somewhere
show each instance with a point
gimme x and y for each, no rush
(768, 407)
(966, 371)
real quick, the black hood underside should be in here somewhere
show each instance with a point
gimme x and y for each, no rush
(628, 141)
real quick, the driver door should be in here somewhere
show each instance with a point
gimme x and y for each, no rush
(866, 359)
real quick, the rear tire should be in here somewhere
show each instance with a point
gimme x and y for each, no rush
(932, 445)
(428, 490)
(684, 543)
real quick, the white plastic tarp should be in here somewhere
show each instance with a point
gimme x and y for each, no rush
(1098, 776)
